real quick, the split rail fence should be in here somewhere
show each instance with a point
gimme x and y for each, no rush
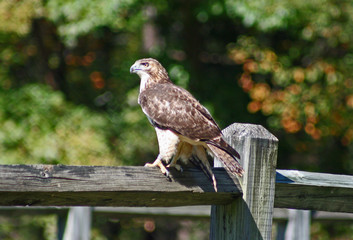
(241, 209)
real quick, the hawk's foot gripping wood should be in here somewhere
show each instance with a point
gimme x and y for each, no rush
(176, 166)
(183, 153)
(158, 163)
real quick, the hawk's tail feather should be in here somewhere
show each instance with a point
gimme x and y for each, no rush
(228, 159)
(220, 143)
(206, 169)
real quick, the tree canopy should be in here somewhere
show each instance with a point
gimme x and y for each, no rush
(66, 94)
(282, 64)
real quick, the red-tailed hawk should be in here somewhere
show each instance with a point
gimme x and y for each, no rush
(185, 129)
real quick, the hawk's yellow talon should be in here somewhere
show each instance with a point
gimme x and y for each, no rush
(159, 164)
(176, 166)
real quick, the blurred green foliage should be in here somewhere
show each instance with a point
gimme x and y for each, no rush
(66, 94)
(16, 16)
(75, 18)
(297, 73)
(28, 227)
(39, 126)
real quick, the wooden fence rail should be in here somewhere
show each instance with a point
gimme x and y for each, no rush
(314, 191)
(290, 224)
(242, 208)
(189, 212)
(47, 185)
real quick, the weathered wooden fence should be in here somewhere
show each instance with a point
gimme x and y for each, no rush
(291, 224)
(242, 208)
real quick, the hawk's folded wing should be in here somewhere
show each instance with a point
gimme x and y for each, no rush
(171, 107)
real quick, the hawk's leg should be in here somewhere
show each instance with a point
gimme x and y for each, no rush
(176, 166)
(158, 163)
(173, 162)
(184, 152)
(204, 164)
(168, 143)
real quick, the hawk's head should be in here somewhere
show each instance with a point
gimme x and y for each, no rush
(150, 72)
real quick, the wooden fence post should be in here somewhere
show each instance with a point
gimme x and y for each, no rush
(78, 225)
(249, 217)
(298, 226)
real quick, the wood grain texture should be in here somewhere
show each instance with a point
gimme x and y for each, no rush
(314, 191)
(58, 185)
(298, 226)
(78, 224)
(47, 185)
(249, 217)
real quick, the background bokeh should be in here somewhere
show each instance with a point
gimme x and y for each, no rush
(66, 94)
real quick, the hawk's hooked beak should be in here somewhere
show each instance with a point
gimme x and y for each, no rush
(134, 68)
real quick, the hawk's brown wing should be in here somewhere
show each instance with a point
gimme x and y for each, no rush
(168, 106)
(171, 107)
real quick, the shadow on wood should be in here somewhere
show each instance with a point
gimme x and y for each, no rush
(249, 217)
(226, 183)
(247, 228)
(57, 185)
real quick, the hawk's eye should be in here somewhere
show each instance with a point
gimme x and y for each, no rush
(145, 64)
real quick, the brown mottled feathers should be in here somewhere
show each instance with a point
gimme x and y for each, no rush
(227, 159)
(173, 109)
